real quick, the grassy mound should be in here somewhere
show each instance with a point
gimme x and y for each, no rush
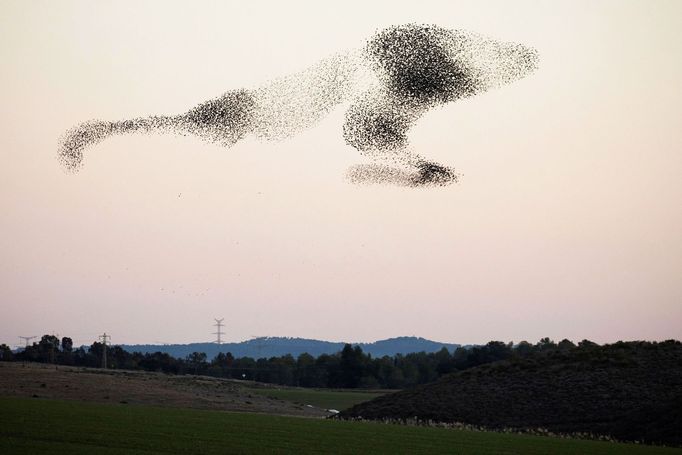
(630, 391)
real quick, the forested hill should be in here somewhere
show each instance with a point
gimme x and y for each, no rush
(628, 390)
(278, 346)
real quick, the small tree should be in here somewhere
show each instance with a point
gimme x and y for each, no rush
(351, 366)
(47, 346)
(524, 348)
(546, 343)
(565, 344)
(305, 370)
(221, 364)
(587, 344)
(5, 353)
(67, 344)
(197, 361)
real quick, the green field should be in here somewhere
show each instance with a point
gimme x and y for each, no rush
(32, 426)
(325, 399)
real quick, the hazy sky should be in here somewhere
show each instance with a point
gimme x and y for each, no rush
(567, 221)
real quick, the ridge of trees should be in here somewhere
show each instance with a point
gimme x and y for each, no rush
(349, 368)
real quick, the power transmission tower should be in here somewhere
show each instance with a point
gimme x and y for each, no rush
(27, 339)
(219, 324)
(260, 343)
(105, 339)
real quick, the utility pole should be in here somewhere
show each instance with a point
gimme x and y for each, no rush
(105, 338)
(27, 339)
(219, 324)
(52, 347)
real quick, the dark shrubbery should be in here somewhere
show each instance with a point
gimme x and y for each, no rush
(629, 391)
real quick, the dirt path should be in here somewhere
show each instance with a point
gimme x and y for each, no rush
(139, 387)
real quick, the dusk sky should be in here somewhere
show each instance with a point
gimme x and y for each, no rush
(566, 222)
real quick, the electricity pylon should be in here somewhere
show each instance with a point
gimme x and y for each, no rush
(219, 324)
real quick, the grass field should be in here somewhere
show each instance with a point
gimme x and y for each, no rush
(29, 426)
(325, 399)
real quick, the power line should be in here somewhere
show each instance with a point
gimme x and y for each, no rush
(105, 339)
(219, 324)
(27, 339)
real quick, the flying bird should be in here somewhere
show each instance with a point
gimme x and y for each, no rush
(387, 84)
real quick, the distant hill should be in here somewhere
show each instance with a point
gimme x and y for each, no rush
(630, 391)
(279, 346)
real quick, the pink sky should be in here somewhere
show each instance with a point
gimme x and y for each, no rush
(567, 221)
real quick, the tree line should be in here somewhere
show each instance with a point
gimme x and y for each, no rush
(349, 368)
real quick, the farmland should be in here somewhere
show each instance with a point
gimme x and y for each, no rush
(320, 398)
(140, 387)
(29, 425)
